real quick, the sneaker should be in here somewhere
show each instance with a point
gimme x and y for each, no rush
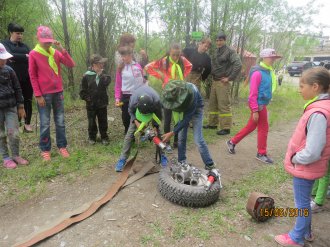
(264, 158)
(120, 165)
(91, 142)
(209, 127)
(209, 167)
(231, 147)
(163, 160)
(64, 152)
(27, 128)
(20, 161)
(105, 142)
(223, 132)
(168, 149)
(285, 240)
(316, 208)
(45, 155)
(9, 164)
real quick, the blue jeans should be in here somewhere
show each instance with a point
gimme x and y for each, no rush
(54, 101)
(9, 128)
(197, 122)
(302, 189)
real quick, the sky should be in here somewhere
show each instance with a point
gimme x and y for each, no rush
(324, 11)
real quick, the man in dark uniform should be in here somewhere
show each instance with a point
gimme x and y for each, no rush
(226, 66)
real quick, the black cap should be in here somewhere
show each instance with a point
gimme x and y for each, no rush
(221, 35)
(145, 104)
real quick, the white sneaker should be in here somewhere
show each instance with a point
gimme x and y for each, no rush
(316, 208)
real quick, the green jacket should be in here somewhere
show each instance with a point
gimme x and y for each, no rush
(226, 63)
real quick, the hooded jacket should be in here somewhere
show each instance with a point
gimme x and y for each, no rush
(93, 89)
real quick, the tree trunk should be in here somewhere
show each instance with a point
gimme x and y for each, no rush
(101, 39)
(145, 26)
(88, 43)
(91, 23)
(195, 19)
(67, 45)
(188, 20)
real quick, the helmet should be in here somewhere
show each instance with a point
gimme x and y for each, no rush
(145, 104)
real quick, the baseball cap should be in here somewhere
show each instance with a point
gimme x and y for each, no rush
(221, 35)
(96, 58)
(4, 54)
(269, 52)
(45, 35)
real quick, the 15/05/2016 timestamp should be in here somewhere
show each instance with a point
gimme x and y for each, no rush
(284, 212)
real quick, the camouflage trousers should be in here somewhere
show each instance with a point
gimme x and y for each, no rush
(195, 78)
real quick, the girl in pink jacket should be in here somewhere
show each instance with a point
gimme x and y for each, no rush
(308, 152)
(45, 74)
(129, 77)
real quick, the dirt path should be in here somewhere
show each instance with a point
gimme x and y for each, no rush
(129, 215)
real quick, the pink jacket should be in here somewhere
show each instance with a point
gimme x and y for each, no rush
(297, 142)
(119, 80)
(43, 78)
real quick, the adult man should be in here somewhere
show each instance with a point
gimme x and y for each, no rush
(184, 99)
(226, 65)
(144, 107)
(201, 62)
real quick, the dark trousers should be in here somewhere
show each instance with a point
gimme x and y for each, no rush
(167, 123)
(27, 94)
(102, 117)
(126, 118)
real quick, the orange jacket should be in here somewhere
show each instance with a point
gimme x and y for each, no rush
(158, 69)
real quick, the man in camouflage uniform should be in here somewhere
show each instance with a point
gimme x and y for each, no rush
(226, 66)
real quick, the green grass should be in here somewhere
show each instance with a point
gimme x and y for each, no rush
(25, 182)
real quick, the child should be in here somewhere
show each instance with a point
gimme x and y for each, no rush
(187, 105)
(11, 102)
(46, 80)
(170, 67)
(308, 151)
(94, 91)
(129, 76)
(319, 190)
(262, 84)
(144, 107)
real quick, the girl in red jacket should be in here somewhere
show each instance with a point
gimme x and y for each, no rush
(308, 152)
(173, 66)
(45, 74)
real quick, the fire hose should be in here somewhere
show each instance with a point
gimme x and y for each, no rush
(87, 209)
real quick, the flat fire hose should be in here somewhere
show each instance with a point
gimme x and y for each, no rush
(87, 209)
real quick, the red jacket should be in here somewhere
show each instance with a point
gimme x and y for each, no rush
(297, 142)
(42, 76)
(155, 67)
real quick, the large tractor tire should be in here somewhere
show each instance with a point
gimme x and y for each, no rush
(185, 194)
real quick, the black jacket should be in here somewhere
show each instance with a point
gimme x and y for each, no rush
(201, 61)
(96, 96)
(19, 62)
(10, 89)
